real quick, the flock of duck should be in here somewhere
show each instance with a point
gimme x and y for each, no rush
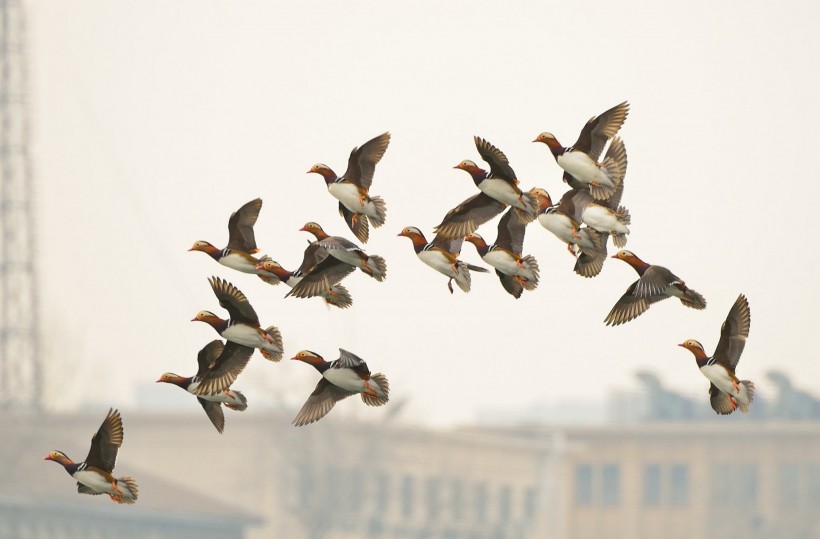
(585, 218)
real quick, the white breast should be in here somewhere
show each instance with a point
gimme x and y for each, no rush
(347, 194)
(718, 375)
(243, 334)
(559, 224)
(582, 168)
(602, 219)
(500, 190)
(93, 480)
(437, 261)
(345, 378)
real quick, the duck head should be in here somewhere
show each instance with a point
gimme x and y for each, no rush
(207, 316)
(205, 247)
(544, 200)
(315, 229)
(171, 378)
(58, 456)
(326, 172)
(476, 240)
(550, 140)
(414, 234)
(308, 357)
(273, 266)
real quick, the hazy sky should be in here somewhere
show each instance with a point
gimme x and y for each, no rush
(153, 121)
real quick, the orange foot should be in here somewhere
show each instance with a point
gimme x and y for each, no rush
(116, 488)
(266, 354)
(571, 249)
(733, 402)
(117, 499)
(520, 279)
(736, 386)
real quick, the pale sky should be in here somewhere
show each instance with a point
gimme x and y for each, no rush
(153, 121)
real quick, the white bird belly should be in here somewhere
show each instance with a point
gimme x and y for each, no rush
(583, 168)
(94, 481)
(348, 257)
(558, 224)
(718, 375)
(503, 262)
(500, 190)
(226, 396)
(438, 262)
(245, 335)
(602, 219)
(345, 378)
(348, 195)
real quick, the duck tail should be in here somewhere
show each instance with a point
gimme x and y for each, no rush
(379, 211)
(338, 296)
(624, 218)
(462, 278)
(614, 167)
(693, 299)
(590, 262)
(746, 396)
(378, 267)
(382, 387)
(530, 210)
(241, 403)
(274, 350)
(130, 491)
(531, 264)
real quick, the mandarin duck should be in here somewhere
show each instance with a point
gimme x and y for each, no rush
(219, 365)
(605, 216)
(351, 190)
(241, 243)
(348, 252)
(243, 325)
(319, 273)
(499, 188)
(441, 254)
(726, 392)
(580, 161)
(591, 244)
(516, 272)
(341, 378)
(656, 283)
(93, 475)
(335, 295)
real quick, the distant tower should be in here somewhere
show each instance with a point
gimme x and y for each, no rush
(20, 356)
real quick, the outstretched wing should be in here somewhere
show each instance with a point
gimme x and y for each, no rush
(733, 333)
(223, 369)
(465, 218)
(106, 442)
(320, 402)
(240, 227)
(499, 165)
(214, 412)
(362, 161)
(321, 272)
(233, 301)
(630, 306)
(599, 129)
(207, 356)
(511, 230)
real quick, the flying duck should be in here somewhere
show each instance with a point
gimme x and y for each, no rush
(351, 189)
(516, 272)
(341, 378)
(348, 252)
(243, 325)
(656, 283)
(241, 243)
(335, 294)
(580, 161)
(93, 475)
(499, 188)
(726, 392)
(219, 365)
(441, 254)
(591, 244)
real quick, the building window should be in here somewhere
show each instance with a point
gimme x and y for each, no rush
(679, 484)
(583, 484)
(407, 496)
(382, 492)
(433, 498)
(721, 484)
(480, 506)
(788, 485)
(814, 485)
(457, 499)
(652, 485)
(530, 504)
(747, 477)
(611, 483)
(504, 505)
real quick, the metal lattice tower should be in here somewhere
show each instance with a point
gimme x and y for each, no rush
(21, 384)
